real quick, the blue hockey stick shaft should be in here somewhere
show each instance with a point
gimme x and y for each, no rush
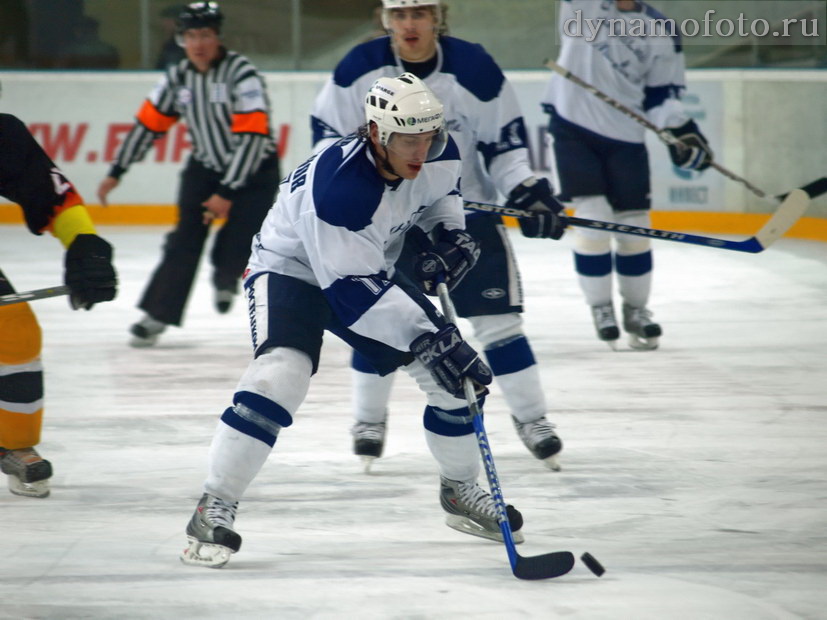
(543, 566)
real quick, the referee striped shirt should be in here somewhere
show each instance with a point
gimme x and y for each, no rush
(227, 112)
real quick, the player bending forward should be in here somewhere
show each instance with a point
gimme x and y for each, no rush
(324, 260)
(484, 118)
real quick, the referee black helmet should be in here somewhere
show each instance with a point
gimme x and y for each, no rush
(200, 15)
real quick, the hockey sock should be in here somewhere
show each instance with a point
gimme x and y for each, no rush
(235, 459)
(21, 376)
(518, 376)
(370, 394)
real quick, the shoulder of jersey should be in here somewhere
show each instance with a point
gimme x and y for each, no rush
(473, 67)
(346, 187)
(450, 153)
(362, 59)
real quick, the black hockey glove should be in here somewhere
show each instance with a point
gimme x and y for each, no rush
(696, 154)
(453, 255)
(547, 219)
(90, 275)
(451, 360)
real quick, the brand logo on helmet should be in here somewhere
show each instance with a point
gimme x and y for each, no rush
(411, 121)
(382, 89)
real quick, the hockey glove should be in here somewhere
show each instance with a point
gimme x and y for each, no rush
(452, 256)
(546, 219)
(451, 360)
(90, 275)
(695, 154)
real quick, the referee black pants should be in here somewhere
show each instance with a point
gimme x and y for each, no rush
(166, 295)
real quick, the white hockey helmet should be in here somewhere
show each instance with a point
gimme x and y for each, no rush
(406, 105)
(387, 5)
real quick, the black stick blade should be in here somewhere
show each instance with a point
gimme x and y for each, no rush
(544, 566)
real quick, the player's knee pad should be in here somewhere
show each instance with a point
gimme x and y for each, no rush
(275, 384)
(22, 340)
(493, 328)
(448, 422)
(435, 395)
(589, 240)
(633, 244)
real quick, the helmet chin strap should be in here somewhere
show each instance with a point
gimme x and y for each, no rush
(384, 161)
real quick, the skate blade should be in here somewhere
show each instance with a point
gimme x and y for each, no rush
(367, 461)
(552, 463)
(612, 344)
(643, 344)
(204, 554)
(29, 489)
(142, 343)
(467, 526)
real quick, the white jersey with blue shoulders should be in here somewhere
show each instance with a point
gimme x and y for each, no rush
(481, 109)
(643, 69)
(337, 224)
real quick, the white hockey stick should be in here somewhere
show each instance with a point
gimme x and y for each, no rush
(544, 566)
(668, 138)
(781, 221)
(41, 293)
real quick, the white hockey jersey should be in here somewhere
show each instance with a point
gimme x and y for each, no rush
(481, 110)
(337, 224)
(643, 69)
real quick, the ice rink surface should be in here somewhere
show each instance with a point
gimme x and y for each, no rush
(695, 473)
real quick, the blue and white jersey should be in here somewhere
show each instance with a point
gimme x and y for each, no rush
(481, 110)
(643, 69)
(337, 224)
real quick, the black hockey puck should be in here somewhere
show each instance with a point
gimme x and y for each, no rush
(594, 566)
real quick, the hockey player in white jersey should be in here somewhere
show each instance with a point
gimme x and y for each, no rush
(484, 117)
(324, 259)
(600, 155)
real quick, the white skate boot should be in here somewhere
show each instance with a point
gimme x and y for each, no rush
(644, 334)
(210, 533)
(606, 324)
(368, 442)
(471, 510)
(541, 440)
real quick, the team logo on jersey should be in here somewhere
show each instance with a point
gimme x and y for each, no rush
(493, 293)
(184, 96)
(430, 265)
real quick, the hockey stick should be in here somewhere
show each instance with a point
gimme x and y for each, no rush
(543, 566)
(41, 293)
(668, 138)
(784, 217)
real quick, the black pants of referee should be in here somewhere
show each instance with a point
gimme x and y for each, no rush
(169, 288)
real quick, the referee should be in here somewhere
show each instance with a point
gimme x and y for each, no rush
(232, 173)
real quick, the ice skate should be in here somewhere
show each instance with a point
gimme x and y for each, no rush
(644, 334)
(541, 440)
(28, 473)
(470, 509)
(224, 300)
(146, 331)
(606, 324)
(210, 533)
(368, 442)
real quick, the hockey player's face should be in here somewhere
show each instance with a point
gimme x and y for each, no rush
(202, 46)
(407, 153)
(413, 31)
